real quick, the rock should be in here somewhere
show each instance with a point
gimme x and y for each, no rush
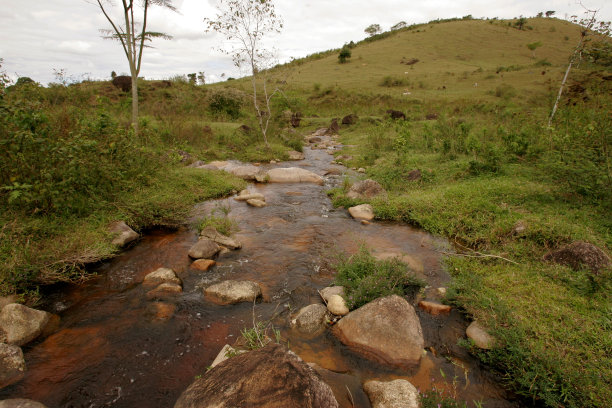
(333, 171)
(350, 119)
(123, 234)
(226, 352)
(253, 202)
(223, 251)
(12, 365)
(320, 132)
(22, 324)
(164, 290)
(311, 319)
(441, 291)
(364, 222)
(246, 195)
(162, 311)
(218, 164)
(365, 189)
(519, 228)
(230, 291)
(394, 114)
(293, 175)
(386, 329)
(481, 338)
(337, 305)
(161, 275)
(362, 212)
(245, 172)
(414, 175)
(580, 254)
(204, 248)
(434, 309)
(203, 264)
(271, 377)
(333, 127)
(293, 155)
(20, 403)
(314, 139)
(197, 164)
(392, 394)
(326, 293)
(7, 300)
(215, 236)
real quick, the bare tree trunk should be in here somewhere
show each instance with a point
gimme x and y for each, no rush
(552, 114)
(135, 104)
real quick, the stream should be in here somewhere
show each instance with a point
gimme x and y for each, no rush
(115, 348)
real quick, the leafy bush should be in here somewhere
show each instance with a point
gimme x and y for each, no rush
(226, 101)
(345, 54)
(365, 278)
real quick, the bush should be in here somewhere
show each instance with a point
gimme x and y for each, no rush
(226, 101)
(365, 278)
(505, 91)
(390, 81)
(345, 54)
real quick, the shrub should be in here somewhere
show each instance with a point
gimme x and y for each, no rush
(505, 91)
(390, 81)
(226, 101)
(345, 54)
(365, 278)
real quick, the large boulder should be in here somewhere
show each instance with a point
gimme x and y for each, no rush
(122, 233)
(293, 175)
(580, 254)
(271, 377)
(161, 275)
(245, 172)
(392, 394)
(20, 403)
(20, 324)
(215, 236)
(204, 248)
(365, 189)
(362, 212)
(230, 291)
(386, 329)
(12, 365)
(311, 319)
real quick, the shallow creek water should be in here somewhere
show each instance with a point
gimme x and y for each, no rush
(115, 348)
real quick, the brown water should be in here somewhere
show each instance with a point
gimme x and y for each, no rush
(117, 349)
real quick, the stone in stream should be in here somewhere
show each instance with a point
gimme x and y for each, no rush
(204, 248)
(245, 172)
(479, 336)
(433, 308)
(270, 377)
(253, 202)
(215, 236)
(311, 319)
(293, 155)
(161, 275)
(386, 329)
(123, 234)
(162, 311)
(392, 394)
(20, 324)
(20, 403)
(331, 290)
(12, 365)
(248, 195)
(365, 189)
(164, 290)
(203, 264)
(362, 212)
(230, 291)
(337, 305)
(293, 175)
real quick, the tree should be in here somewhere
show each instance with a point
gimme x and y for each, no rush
(398, 26)
(192, 78)
(540, 14)
(245, 23)
(345, 54)
(520, 23)
(589, 26)
(533, 46)
(550, 13)
(133, 36)
(201, 78)
(373, 29)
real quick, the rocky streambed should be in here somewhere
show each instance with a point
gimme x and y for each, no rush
(156, 317)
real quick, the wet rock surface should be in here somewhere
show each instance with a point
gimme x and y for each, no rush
(392, 394)
(311, 319)
(204, 248)
(387, 330)
(362, 212)
(293, 175)
(20, 324)
(220, 239)
(230, 291)
(161, 275)
(12, 365)
(271, 377)
(123, 234)
(479, 336)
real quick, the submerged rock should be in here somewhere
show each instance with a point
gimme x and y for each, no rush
(293, 175)
(365, 189)
(123, 234)
(12, 365)
(479, 336)
(392, 394)
(204, 248)
(230, 291)
(311, 319)
(362, 212)
(21, 324)
(203, 264)
(215, 236)
(386, 329)
(580, 254)
(165, 290)
(161, 275)
(253, 202)
(271, 377)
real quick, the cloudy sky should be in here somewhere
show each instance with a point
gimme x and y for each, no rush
(38, 37)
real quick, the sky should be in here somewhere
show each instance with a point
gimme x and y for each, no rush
(39, 38)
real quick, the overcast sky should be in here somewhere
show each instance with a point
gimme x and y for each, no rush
(40, 36)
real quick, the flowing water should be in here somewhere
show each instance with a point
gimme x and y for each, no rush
(115, 348)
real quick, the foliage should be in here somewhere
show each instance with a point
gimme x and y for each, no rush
(373, 29)
(345, 54)
(226, 102)
(390, 81)
(533, 46)
(257, 336)
(365, 278)
(222, 223)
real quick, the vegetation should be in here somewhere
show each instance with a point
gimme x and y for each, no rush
(345, 54)
(365, 278)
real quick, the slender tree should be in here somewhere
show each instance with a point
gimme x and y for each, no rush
(533, 46)
(245, 23)
(133, 36)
